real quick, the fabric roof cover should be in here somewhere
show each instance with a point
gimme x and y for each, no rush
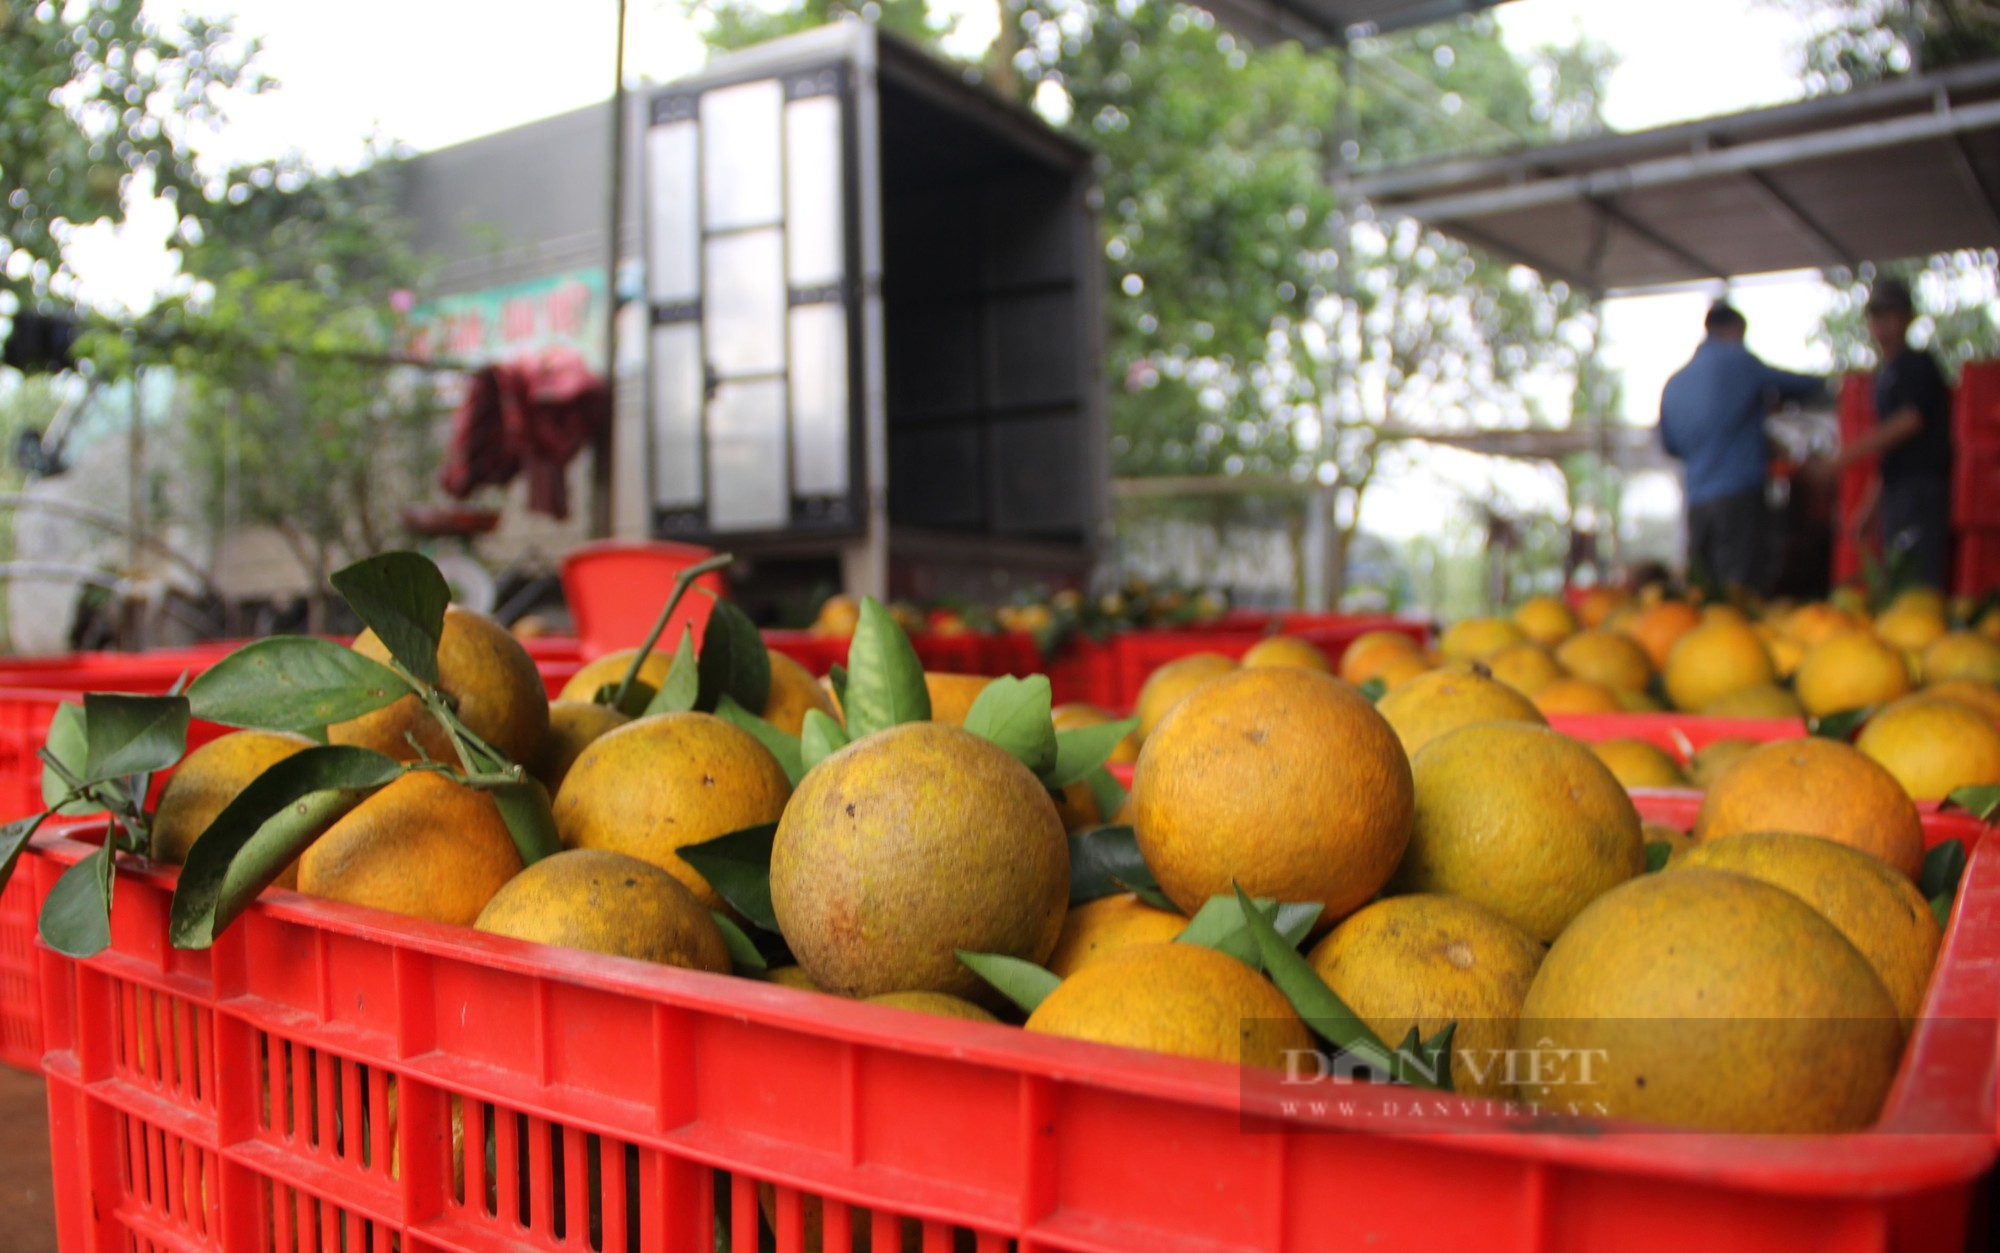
(1898, 169)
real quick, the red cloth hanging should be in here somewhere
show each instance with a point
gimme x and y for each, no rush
(530, 416)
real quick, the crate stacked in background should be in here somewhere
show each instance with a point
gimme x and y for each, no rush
(1975, 488)
(334, 1078)
(1854, 407)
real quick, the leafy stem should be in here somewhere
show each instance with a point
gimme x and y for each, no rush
(682, 582)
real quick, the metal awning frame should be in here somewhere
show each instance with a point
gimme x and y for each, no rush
(1532, 178)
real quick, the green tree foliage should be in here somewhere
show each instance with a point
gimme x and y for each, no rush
(1260, 325)
(298, 416)
(95, 96)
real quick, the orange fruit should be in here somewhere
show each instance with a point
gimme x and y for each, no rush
(1096, 929)
(910, 844)
(1659, 627)
(1713, 660)
(1609, 657)
(793, 693)
(610, 669)
(1521, 819)
(1815, 787)
(952, 695)
(1370, 650)
(1444, 700)
(1980, 696)
(500, 696)
(1852, 670)
(1815, 624)
(607, 903)
(1965, 655)
(1286, 650)
(1637, 1004)
(1596, 605)
(1477, 638)
(1073, 715)
(1176, 998)
(1527, 668)
(1165, 687)
(1638, 763)
(1547, 620)
(1932, 746)
(1423, 961)
(1577, 696)
(1210, 815)
(653, 786)
(424, 845)
(573, 725)
(210, 777)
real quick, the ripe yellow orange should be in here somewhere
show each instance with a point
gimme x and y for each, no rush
(1176, 998)
(1660, 626)
(572, 727)
(1577, 696)
(1521, 819)
(610, 669)
(1400, 668)
(1852, 670)
(607, 903)
(1609, 657)
(952, 695)
(794, 692)
(1444, 700)
(1662, 977)
(1639, 763)
(908, 845)
(500, 696)
(1815, 787)
(1096, 929)
(210, 777)
(1477, 638)
(653, 786)
(1547, 620)
(1815, 624)
(1980, 696)
(1423, 961)
(1766, 700)
(424, 845)
(1209, 818)
(1933, 746)
(1527, 668)
(1370, 650)
(1716, 658)
(1911, 626)
(1165, 687)
(1287, 650)
(1879, 911)
(1965, 655)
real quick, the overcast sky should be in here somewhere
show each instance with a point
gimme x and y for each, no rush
(434, 72)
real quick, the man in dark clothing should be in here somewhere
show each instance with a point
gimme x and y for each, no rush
(1712, 419)
(1912, 497)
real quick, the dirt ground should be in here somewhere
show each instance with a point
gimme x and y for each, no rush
(30, 1224)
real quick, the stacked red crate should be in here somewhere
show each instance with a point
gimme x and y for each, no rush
(1975, 489)
(1856, 411)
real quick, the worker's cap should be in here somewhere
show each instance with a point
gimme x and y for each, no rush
(1890, 295)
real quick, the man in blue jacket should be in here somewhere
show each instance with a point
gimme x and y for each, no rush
(1712, 420)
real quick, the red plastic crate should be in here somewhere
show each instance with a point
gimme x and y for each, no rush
(615, 589)
(1976, 561)
(1679, 734)
(1975, 486)
(987, 1136)
(1010, 652)
(1084, 670)
(1975, 408)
